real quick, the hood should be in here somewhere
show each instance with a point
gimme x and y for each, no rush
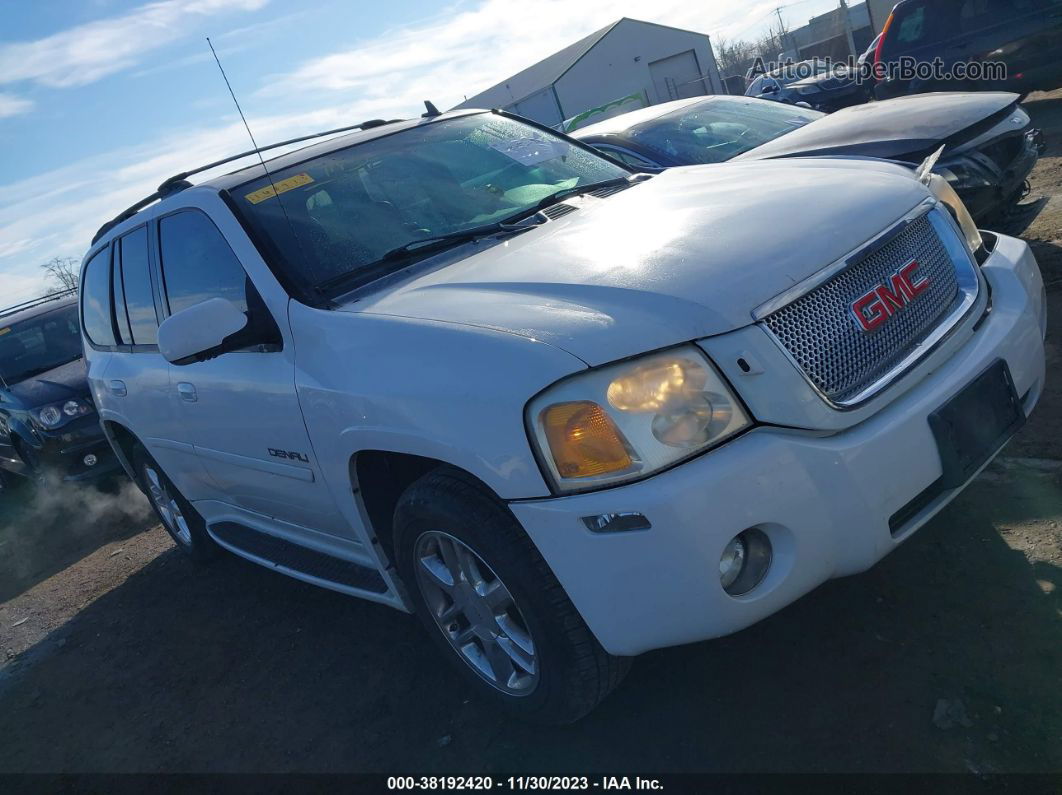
(61, 383)
(686, 254)
(894, 128)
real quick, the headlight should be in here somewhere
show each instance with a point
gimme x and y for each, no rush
(50, 416)
(57, 414)
(965, 175)
(628, 420)
(947, 195)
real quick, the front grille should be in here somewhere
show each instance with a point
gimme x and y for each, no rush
(820, 332)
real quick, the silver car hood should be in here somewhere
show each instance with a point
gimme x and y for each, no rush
(687, 254)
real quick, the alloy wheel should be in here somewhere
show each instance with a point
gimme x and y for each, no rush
(167, 505)
(476, 613)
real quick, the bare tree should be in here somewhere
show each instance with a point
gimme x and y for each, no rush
(734, 56)
(62, 272)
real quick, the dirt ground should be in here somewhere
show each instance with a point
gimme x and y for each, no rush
(117, 654)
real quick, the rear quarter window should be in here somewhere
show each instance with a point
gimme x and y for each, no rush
(96, 300)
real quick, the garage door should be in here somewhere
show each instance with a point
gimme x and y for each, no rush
(677, 77)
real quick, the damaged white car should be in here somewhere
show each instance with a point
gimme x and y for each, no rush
(566, 413)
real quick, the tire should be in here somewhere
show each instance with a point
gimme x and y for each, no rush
(184, 524)
(559, 672)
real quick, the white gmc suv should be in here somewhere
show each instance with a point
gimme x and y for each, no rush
(566, 413)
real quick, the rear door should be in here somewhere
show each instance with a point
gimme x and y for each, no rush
(137, 380)
(240, 409)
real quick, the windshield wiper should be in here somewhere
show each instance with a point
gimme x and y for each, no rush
(421, 246)
(431, 245)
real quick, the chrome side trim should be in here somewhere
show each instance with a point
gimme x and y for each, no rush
(967, 274)
(804, 287)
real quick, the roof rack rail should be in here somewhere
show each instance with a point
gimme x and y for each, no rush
(11, 310)
(179, 182)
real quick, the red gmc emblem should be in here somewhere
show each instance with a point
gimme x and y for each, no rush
(875, 307)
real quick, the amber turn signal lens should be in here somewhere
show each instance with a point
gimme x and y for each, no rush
(584, 440)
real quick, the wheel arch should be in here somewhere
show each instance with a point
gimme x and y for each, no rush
(122, 441)
(378, 479)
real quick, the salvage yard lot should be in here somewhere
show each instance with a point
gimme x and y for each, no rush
(947, 656)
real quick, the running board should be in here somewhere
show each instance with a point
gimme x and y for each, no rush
(298, 561)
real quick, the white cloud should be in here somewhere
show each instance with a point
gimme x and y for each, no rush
(10, 105)
(86, 53)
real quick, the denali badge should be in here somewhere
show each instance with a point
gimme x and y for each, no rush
(875, 307)
(291, 454)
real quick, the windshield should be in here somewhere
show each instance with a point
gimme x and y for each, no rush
(39, 344)
(343, 211)
(715, 131)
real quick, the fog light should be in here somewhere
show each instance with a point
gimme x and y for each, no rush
(90, 460)
(744, 562)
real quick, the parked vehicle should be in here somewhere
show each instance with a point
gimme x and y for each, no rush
(1025, 35)
(47, 418)
(990, 145)
(816, 84)
(566, 413)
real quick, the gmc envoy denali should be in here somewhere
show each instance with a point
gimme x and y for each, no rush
(564, 412)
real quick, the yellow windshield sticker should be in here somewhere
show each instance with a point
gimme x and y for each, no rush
(269, 191)
(4, 331)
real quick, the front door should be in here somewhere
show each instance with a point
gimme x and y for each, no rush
(240, 409)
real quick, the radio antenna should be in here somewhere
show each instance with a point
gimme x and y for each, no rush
(254, 143)
(246, 126)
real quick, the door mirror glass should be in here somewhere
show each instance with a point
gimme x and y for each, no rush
(201, 329)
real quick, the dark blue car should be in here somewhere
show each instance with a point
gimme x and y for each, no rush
(48, 422)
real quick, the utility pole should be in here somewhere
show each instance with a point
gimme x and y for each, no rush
(781, 29)
(848, 30)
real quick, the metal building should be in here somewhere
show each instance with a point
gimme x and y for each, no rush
(627, 64)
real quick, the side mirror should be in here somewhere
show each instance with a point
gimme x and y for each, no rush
(769, 89)
(199, 329)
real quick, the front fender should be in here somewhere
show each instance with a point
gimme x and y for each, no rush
(440, 390)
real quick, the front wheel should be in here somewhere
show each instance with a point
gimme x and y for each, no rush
(492, 604)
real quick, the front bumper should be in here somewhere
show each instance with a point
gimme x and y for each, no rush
(64, 450)
(825, 501)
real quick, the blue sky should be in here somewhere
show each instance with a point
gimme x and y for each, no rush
(100, 100)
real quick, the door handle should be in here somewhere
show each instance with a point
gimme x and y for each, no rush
(117, 388)
(187, 392)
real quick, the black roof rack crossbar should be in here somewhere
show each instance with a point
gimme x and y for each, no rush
(179, 182)
(11, 310)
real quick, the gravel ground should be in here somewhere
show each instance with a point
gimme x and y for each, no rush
(117, 654)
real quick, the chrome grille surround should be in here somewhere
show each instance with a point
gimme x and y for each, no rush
(813, 324)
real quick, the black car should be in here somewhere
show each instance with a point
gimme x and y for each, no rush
(1025, 35)
(990, 144)
(817, 84)
(48, 421)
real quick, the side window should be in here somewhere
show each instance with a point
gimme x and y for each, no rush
(136, 287)
(197, 263)
(96, 299)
